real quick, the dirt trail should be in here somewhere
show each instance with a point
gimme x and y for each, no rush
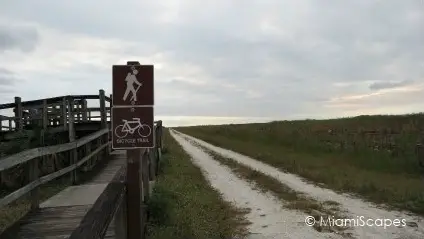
(354, 207)
(268, 218)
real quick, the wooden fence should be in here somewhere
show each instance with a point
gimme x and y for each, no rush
(61, 114)
(115, 203)
(57, 111)
(93, 147)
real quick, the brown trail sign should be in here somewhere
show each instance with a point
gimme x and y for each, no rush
(132, 127)
(132, 85)
(132, 111)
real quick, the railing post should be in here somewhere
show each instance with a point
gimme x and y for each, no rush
(110, 120)
(33, 164)
(57, 111)
(87, 152)
(45, 121)
(159, 142)
(160, 133)
(134, 202)
(79, 110)
(18, 114)
(100, 154)
(53, 115)
(145, 175)
(103, 115)
(156, 151)
(71, 130)
(103, 108)
(33, 175)
(63, 107)
(145, 190)
(84, 110)
(152, 164)
(110, 108)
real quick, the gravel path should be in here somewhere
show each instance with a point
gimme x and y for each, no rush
(268, 218)
(354, 207)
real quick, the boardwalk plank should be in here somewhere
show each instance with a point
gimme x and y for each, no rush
(60, 221)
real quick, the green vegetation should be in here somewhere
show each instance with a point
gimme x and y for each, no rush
(373, 156)
(184, 205)
(290, 198)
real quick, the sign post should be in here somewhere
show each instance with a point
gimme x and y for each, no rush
(132, 130)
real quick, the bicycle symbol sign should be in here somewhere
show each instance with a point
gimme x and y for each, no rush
(121, 131)
(132, 127)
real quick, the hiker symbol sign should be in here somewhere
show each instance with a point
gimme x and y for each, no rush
(133, 85)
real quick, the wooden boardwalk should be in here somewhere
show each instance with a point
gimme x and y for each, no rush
(87, 209)
(61, 214)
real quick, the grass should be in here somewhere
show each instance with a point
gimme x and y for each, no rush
(184, 205)
(11, 213)
(339, 154)
(290, 199)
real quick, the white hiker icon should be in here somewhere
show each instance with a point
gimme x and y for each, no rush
(131, 79)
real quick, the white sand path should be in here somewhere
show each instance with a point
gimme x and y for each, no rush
(355, 207)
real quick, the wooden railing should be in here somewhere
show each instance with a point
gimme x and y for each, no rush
(114, 203)
(31, 156)
(54, 111)
(60, 114)
(66, 116)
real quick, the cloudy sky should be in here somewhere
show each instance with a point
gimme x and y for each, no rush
(222, 61)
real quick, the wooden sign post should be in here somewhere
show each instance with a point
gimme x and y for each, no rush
(132, 129)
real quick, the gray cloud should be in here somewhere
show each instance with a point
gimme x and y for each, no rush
(4, 71)
(5, 81)
(389, 85)
(7, 77)
(258, 58)
(8, 81)
(18, 37)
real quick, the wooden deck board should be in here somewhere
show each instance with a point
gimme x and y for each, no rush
(60, 221)
(107, 174)
(57, 222)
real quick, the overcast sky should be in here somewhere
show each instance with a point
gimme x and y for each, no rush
(240, 60)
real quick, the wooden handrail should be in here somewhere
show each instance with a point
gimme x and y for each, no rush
(113, 201)
(22, 157)
(64, 112)
(96, 222)
(27, 188)
(52, 100)
(4, 117)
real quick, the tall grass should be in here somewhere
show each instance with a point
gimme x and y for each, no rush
(372, 156)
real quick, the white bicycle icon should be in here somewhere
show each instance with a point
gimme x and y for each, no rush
(121, 131)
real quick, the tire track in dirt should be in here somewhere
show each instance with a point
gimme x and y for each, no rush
(354, 207)
(267, 216)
